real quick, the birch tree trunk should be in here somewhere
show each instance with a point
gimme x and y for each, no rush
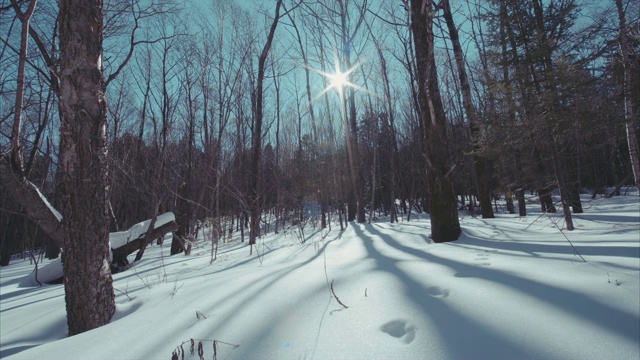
(89, 295)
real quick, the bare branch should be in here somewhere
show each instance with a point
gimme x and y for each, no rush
(335, 296)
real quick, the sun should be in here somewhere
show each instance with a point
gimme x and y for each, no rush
(338, 79)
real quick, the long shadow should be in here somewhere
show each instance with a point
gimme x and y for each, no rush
(561, 248)
(23, 304)
(610, 218)
(252, 292)
(17, 280)
(14, 350)
(140, 274)
(617, 321)
(54, 331)
(134, 272)
(623, 269)
(464, 337)
(301, 248)
(5, 297)
(254, 289)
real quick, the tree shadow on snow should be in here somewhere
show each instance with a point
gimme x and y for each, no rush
(614, 320)
(249, 296)
(464, 337)
(14, 350)
(561, 247)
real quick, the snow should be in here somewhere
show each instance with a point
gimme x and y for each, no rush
(118, 239)
(55, 212)
(510, 288)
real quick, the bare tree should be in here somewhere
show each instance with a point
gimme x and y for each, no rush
(484, 191)
(443, 211)
(256, 135)
(12, 172)
(88, 284)
(628, 102)
(16, 153)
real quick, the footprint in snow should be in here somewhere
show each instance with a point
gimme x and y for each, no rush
(463, 275)
(436, 291)
(400, 329)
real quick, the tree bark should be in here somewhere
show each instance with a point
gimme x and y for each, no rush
(89, 295)
(443, 211)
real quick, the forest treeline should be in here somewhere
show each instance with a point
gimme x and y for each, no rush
(448, 106)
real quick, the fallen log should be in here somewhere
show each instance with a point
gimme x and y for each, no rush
(122, 243)
(119, 254)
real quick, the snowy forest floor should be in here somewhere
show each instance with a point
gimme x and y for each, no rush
(510, 288)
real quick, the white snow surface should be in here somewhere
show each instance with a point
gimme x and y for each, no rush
(509, 288)
(117, 239)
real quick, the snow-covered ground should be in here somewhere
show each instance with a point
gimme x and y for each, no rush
(510, 288)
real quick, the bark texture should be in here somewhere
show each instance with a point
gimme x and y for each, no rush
(443, 211)
(90, 299)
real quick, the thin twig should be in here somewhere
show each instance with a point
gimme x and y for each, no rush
(567, 238)
(335, 296)
(122, 292)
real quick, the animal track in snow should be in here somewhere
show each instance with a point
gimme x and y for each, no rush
(483, 257)
(400, 329)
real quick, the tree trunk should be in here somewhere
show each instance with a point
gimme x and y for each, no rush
(546, 201)
(443, 211)
(480, 164)
(374, 171)
(628, 102)
(522, 205)
(509, 198)
(257, 137)
(182, 219)
(89, 295)
(16, 153)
